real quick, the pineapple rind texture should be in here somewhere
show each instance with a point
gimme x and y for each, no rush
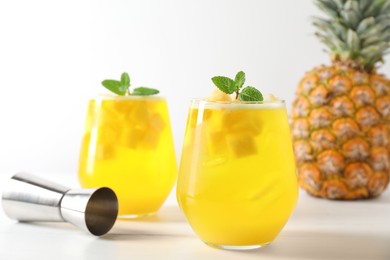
(341, 113)
(341, 133)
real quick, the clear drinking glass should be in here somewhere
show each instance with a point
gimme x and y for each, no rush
(237, 181)
(128, 147)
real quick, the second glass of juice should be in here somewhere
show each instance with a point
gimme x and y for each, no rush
(237, 181)
(128, 146)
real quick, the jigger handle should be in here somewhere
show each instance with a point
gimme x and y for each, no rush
(29, 198)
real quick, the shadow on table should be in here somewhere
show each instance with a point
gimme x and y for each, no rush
(49, 225)
(129, 228)
(325, 245)
(169, 213)
(168, 222)
(138, 235)
(310, 245)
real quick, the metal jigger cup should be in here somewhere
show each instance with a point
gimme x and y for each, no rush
(29, 198)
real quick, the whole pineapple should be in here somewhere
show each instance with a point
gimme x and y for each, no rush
(341, 113)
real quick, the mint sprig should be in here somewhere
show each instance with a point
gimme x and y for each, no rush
(230, 86)
(225, 84)
(125, 79)
(115, 86)
(240, 79)
(143, 91)
(250, 94)
(122, 87)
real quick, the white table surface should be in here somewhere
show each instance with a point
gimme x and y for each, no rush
(318, 229)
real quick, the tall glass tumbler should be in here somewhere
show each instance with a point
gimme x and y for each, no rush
(237, 180)
(128, 147)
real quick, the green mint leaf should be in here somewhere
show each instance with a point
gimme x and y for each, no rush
(115, 86)
(224, 84)
(125, 79)
(144, 91)
(240, 79)
(250, 94)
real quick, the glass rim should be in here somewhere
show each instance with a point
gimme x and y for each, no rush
(127, 97)
(237, 103)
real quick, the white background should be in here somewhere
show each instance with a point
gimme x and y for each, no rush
(53, 55)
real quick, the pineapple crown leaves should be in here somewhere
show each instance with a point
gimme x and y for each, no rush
(355, 30)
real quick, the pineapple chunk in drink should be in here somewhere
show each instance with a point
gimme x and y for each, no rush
(237, 183)
(128, 146)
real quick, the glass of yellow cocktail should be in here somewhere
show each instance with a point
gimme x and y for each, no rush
(128, 146)
(237, 181)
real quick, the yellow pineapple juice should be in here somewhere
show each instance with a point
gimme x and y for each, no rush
(128, 147)
(237, 181)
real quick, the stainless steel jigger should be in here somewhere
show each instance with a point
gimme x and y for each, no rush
(29, 198)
